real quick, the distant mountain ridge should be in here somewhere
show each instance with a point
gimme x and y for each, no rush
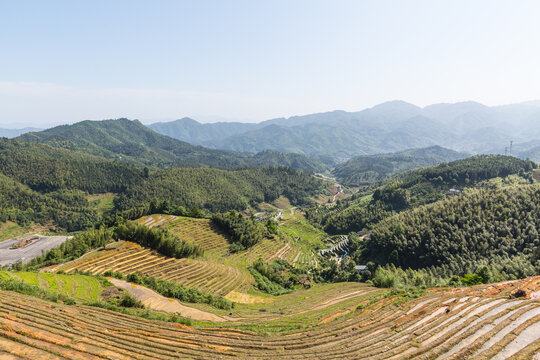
(368, 169)
(11, 133)
(388, 127)
(133, 143)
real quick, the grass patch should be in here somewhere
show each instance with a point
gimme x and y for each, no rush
(102, 203)
(10, 230)
(78, 287)
(21, 287)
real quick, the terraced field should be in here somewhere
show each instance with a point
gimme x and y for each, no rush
(78, 287)
(472, 323)
(296, 248)
(202, 232)
(157, 220)
(128, 258)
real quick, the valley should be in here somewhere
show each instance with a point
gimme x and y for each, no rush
(426, 253)
(260, 180)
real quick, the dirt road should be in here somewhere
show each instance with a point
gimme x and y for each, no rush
(156, 301)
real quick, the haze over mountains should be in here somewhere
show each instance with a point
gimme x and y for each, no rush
(305, 142)
(391, 126)
(368, 169)
(11, 133)
(133, 143)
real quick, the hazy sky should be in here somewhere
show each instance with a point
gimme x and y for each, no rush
(66, 61)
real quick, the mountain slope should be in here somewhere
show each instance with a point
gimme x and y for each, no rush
(368, 169)
(40, 183)
(193, 132)
(412, 189)
(132, 142)
(388, 127)
(456, 234)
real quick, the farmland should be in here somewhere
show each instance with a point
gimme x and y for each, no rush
(295, 243)
(482, 322)
(78, 287)
(128, 258)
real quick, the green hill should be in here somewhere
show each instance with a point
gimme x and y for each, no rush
(456, 235)
(368, 169)
(40, 183)
(217, 190)
(45, 168)
(131, 142)
(414, 188)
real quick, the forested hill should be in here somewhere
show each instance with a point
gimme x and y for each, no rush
(218, 190)
(368, 169)
(43, 184)
(131, 142)
(415, 188)
(44, 168)
(429, 184)
(481, 227)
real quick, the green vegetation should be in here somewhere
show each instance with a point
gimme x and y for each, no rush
(133, 143)
(47, 185)
(128, 301)
(493, 227)
(278, 277)
(243, 232)
(391, 277)
(42, 184)
(10, 230)
(369, 169)
(216, 190)
(157, 239)
(173, 290)
(412, 189)
(22, 287)
(73, 248)
(46, 169)
(56, 286)
(102, 203)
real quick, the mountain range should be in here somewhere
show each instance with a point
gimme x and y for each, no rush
(133, 143)
(392, 126)
(11, 133)
(368, 169)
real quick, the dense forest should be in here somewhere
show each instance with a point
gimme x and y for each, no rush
(43, 184)
(243, 232)
(47, 169)
(68, 209)
(481, 227)
(412, 189)
(220, 190)
(369, 169)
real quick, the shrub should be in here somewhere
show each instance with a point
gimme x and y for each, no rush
(157, 239)
(130, 302)
(471, 279)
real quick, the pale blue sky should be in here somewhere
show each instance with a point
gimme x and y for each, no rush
(66, 61)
